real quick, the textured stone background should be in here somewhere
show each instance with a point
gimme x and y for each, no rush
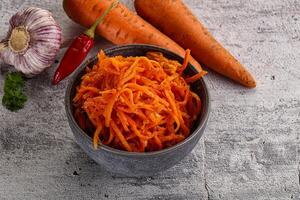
(251, 146)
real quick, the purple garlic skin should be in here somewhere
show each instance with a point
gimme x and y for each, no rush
(33, 41)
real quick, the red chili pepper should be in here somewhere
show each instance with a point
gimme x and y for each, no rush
(78, 50)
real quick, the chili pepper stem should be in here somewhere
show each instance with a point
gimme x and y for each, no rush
(91, 31)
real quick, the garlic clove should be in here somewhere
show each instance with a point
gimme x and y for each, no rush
(34, 39)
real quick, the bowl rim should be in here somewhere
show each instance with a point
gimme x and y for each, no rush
(109, 149)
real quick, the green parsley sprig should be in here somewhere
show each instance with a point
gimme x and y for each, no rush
(14, 98)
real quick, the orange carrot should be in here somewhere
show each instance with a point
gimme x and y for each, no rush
(174, 19)
(121, 26)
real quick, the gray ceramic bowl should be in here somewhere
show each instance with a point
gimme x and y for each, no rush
(138, 164)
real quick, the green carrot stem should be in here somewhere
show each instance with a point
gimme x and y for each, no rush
(91, 31)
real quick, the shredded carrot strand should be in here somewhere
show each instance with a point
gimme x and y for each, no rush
(195, 77)
(185, 61)
(96, 136)
(120, 136)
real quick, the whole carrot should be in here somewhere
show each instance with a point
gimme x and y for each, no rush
(174, 19)
(121, 26)
(78, 50)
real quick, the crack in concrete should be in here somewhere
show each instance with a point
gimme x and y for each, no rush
(299, 174)
(207, 189)
(204, 168)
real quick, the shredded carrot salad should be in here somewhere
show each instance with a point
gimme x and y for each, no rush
(137, 104)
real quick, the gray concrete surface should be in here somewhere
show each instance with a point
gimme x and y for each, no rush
(251, 146)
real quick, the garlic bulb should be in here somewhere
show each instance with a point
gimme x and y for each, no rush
(32, 42)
